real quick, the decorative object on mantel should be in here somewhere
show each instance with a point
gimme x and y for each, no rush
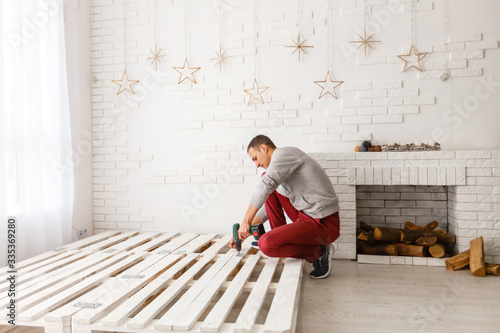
(255, 92)
(365, 41)
(367, 146)
(221, 54)
(413, 59)
(411, 147)
(414, 240)
(125, 84)
(474, 257)
(328, 86)
(186, 72)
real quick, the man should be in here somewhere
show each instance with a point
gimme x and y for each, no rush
(297, 185)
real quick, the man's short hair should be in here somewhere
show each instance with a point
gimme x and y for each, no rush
(261, 140)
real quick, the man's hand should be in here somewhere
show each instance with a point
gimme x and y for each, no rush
(231, 243)
(244, 230)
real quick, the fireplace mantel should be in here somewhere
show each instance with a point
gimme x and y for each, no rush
(472, 177)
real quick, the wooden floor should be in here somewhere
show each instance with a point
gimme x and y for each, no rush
(388, 298)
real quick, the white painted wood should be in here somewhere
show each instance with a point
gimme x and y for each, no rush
(122, 289)
(191, 314)
(280, 317)
(109, 242)
(121, 313)
(246, 320)
(45, 301)
(142, 319)
(41, 286)
(72, 246)
(155, 242)
(219, 312)
(83, 243)
(24, 277)
(176, 242)
(134, 241)
(197, 243)
(166, 321)
(218, 245)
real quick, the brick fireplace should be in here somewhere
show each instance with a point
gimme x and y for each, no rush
(469, 179)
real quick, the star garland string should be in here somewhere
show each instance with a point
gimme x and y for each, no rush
(156, 57)
(125, 84)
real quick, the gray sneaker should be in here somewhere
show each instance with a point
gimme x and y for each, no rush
(323, 266)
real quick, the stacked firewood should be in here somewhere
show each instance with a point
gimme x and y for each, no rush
(474, 258)
(413, 240)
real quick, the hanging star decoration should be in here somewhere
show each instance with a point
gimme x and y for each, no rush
(299, 46)
(412, 59)
(186, 72)
(328, 86)
(255, 93)
(156, 56)
(365, 42)
(125, 83)
(221, 58)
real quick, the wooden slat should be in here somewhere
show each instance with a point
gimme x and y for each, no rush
(155, 242)
(111, 241)
(62, 297)
(218, 245)
(142, 319)
(248, 315)
(197, 243)
(198, 304)
(133, 241)
(68, 281)
(219, 312)
(176, 242)
(164, 323)
(51, 265)
(72, 246)
(85, 242)
(121, 313)
(121, 290)
(43, 283)
(280, 317)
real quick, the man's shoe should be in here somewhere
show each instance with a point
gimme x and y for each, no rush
(255, 245)
(323, 266)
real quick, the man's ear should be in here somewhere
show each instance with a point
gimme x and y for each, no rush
(264, 148)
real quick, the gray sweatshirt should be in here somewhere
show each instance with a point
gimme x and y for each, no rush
(298, 177)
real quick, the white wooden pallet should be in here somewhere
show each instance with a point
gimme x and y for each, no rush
(153, 281)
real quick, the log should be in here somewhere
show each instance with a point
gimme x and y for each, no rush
(365, 227)
(367, 236)
(437, 250)
(381, 249)
(431, 225)
(412, 226)
(427, 241)
(408, 236)
(477, 264)
(459, 261)
(492, 269)
(390, 235)
(411, 250)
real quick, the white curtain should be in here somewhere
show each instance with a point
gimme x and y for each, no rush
(36, 180)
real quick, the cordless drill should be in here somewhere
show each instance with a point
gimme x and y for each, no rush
(256, 230)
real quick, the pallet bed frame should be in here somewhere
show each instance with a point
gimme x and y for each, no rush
(154, 281)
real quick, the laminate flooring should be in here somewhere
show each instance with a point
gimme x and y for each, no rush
(392, 298)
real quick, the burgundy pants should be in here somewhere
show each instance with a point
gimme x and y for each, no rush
(299, 239)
